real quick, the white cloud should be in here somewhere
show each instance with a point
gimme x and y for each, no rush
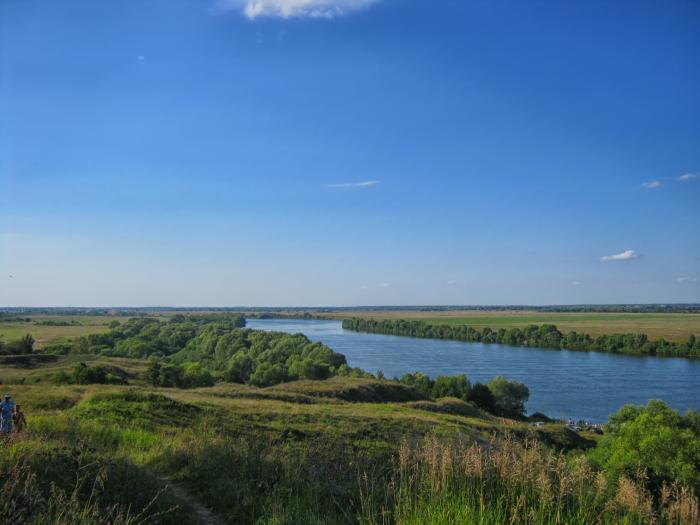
(452, 281)
(627, 255)
(295, 8)
(577, 283)
(384, 285)
(689, 176)
(687, 280)
(361, 184)
(651, 185)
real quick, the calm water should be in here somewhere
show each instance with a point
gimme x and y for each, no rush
(582, 385)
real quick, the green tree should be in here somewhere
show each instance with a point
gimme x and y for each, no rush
(451, 386)
(23, 345)
(482, 397)
(194, 375)
(153, 373)
(421, 382)
(240, 368)
(653, 438)
(510, 396)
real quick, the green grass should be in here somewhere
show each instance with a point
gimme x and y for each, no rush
(42, 374)
(311, 452)
(10, 330)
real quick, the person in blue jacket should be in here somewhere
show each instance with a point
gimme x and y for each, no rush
(6, 411)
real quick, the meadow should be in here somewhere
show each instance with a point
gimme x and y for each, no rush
(339, 451)
(671, 326)
(47, 328)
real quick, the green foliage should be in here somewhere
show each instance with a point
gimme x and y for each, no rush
(482, 397)
(509, 396)
(542, 336)
(455, 386)
(260, 358)
(88, 375)
(194, 351)
(144, 337)
(421, 382)
(451, 386)
(653, 438)
(24, 345)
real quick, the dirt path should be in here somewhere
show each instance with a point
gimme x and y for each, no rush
(204, 515)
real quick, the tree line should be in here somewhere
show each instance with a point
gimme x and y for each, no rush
(542, 336)
(500, 396)
(190, 351)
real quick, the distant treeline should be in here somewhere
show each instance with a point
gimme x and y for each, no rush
(590, 308)
(543, 336)
(315, 311)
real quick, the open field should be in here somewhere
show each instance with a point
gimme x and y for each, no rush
(672, 327)
(42, 333)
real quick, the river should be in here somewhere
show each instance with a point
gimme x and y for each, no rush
(563, 384)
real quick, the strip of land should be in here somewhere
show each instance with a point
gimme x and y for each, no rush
(672, 326)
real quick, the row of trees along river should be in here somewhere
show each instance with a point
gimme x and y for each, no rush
(543, 336)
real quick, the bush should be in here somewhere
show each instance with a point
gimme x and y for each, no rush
(24, 345)
(87, 375)
(451, 386)
(510, 396)
(482, 397)
(654, 439)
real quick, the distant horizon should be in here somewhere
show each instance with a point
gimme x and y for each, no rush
(349, 307)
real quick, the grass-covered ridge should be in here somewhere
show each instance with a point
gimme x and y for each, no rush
(300, 453)
(347, 449)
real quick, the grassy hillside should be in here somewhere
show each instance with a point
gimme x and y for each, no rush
(343, 450)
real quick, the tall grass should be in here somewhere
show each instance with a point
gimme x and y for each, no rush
(29, 497)
(109, 459)
(507, 482)
(70, 482)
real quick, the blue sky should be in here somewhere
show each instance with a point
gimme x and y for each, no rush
(349, 152)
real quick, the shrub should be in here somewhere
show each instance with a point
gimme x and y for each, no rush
(654, 439)
(510, 396)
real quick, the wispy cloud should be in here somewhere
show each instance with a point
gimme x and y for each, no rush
(627, 255)
(384, 285)
(651, 184)
(348, 185)
(688, 177)
(687, 280)
(577, 283)
(295, 8)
